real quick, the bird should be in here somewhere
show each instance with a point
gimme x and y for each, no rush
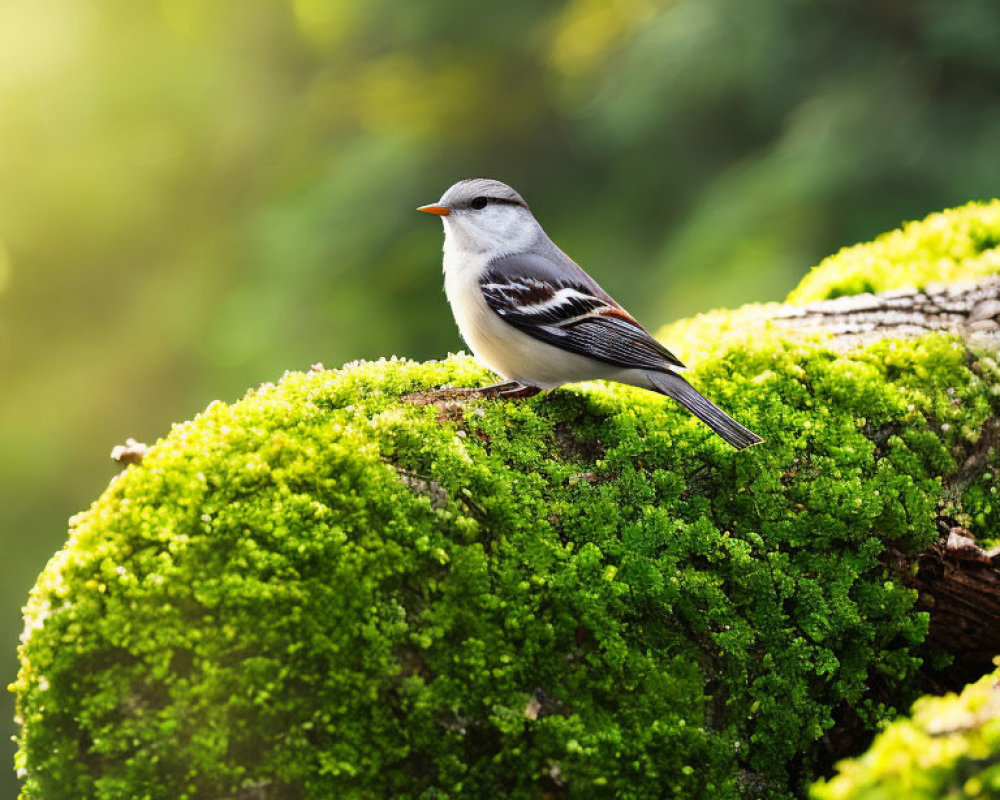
(529, 313)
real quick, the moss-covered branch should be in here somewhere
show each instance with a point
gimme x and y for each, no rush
(322, 591)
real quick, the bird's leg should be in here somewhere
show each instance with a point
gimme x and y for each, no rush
(489, 392)
(515, 390)
(509, 390)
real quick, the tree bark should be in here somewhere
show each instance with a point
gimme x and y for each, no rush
(970, 309)
(959, 584)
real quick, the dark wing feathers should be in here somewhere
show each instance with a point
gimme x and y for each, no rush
(621, 343)
(563, 306)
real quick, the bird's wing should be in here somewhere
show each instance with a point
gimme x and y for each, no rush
(564, 307)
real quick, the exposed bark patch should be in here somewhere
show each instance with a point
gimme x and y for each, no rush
(959, 584)
(970, 309)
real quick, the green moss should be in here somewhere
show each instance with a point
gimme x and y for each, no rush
(320, 591)
(950, 747)
(326, 590)
(957, 243)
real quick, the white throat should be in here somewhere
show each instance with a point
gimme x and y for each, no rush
(471, 242)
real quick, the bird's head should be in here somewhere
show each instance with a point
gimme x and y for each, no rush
(485, 216)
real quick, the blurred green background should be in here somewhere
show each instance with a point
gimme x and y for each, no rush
(196, 196)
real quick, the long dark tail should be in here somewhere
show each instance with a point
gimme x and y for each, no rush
(675, 386)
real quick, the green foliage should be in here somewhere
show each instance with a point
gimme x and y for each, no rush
(949, 747)
(323, 591)
(957, 243)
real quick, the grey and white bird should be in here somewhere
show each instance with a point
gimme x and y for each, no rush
(532, 315)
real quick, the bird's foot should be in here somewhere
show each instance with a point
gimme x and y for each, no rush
(514, 390)
(511, 390)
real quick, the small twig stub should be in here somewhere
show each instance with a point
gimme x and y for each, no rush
(132, 452)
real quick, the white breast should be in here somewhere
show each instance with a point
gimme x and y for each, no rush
(498, 345)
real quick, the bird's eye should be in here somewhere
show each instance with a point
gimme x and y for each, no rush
(478, 203)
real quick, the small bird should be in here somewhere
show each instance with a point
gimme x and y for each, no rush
(533, 316)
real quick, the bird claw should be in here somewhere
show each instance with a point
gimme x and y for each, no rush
(511, 390)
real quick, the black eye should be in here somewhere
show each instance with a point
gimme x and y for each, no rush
(478, 203)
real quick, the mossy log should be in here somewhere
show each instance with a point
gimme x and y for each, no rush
(324, 590)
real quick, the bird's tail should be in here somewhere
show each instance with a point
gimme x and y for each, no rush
(675, 386)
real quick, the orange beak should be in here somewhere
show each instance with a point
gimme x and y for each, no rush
(441, 211)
